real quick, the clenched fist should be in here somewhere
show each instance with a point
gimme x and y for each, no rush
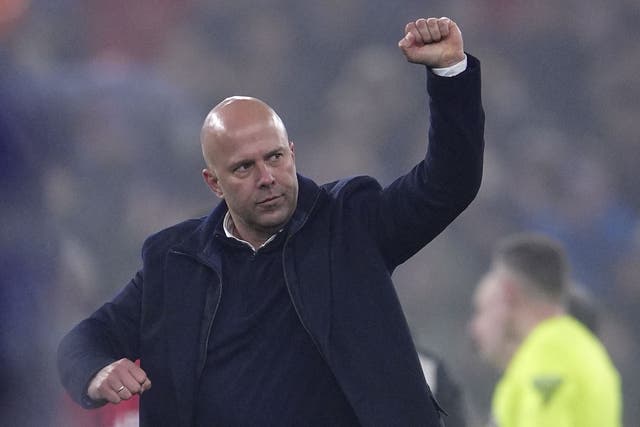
(434, 42)
(118, 381)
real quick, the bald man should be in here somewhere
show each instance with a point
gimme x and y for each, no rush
(278, 308)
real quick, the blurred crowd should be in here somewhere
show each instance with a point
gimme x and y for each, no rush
(101, 104)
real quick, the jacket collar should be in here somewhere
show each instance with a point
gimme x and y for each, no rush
(308, 195)
(201, 245)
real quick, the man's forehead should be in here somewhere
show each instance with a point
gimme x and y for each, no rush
(249, 143)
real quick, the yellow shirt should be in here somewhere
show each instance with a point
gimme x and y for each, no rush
(561, 376)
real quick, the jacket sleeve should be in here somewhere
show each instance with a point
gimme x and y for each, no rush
(417, 206)
(109, 334)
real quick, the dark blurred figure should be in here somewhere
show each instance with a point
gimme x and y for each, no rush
(445, 388)
(27, 248)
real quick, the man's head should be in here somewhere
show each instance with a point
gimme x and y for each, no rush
(251, 164)
(526, 284)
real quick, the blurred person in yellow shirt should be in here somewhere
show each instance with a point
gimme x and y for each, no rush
(555, 371)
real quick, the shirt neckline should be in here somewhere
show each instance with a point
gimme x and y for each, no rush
(227, 226)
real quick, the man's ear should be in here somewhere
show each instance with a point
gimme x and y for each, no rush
(292, 148)
(512, 291)
(211, 179)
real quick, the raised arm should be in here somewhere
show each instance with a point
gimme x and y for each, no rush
(416, 207)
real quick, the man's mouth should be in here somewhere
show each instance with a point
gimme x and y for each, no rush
(268, 200)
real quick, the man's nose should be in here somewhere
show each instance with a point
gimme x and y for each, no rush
(265, 175)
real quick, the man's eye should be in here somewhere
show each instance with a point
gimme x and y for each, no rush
(242, 168)
(276, 156)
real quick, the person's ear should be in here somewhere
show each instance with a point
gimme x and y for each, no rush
(292, 148)
(211, 179)
(512, 291)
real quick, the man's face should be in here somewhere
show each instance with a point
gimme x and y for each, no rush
(491, 323)
(254, 170)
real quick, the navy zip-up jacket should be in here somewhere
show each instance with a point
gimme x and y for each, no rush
(343, 242)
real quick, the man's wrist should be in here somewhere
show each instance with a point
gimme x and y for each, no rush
(453, 70)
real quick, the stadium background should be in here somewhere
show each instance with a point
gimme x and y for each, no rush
(101, 104)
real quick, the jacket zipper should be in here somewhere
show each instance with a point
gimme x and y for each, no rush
(286, 282)
(203, 350)
(205, 347)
